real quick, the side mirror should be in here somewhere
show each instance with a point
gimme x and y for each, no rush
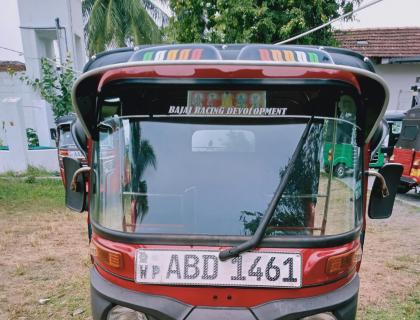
(79, 136)
(74, 184)
(384, 190)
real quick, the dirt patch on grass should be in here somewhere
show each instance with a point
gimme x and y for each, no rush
(44, 256)
(391, 260)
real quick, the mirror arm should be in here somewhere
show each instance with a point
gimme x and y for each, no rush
(73, 185)
(385, 191)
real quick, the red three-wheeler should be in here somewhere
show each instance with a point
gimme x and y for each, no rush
(66, 145)
(407, 151)
(208, 194)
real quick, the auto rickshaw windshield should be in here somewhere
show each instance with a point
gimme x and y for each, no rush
(181, 175)
(66, 139)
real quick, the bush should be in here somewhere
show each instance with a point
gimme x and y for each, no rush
(30, 179)
(32, 137)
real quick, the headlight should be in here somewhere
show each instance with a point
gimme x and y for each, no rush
(321, 316)
(123, 313)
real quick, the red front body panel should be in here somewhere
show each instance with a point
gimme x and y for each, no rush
(315, 280)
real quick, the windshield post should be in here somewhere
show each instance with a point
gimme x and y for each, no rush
(265, 220)
(330, 174)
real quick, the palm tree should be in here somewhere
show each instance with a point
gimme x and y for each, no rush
(159, 11)
(143, 156)
(115, 23)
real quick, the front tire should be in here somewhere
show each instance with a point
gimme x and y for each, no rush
(340, 170)
(403, 188)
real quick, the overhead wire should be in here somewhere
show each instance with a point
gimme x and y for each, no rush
(49, 59)
(329, 22)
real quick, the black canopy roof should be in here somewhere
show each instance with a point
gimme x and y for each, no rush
(374, 91)
(229, 52)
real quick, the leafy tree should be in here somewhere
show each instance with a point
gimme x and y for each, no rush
(115, 23)
(263, 21)
(54, 86)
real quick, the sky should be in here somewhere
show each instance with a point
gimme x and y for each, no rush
(388, 13)
(9, 31)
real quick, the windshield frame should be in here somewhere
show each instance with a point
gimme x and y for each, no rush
(291, 241)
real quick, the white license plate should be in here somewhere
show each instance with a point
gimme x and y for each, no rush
(250, 269)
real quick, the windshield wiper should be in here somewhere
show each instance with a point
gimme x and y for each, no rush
(265, 220)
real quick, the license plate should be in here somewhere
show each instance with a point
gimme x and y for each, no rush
(203, 268)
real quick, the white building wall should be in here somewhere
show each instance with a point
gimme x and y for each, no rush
(400, 78)
(37, 113)
(17, 157)
(38, 30)
(79, 49)
(45, 159)
(13, 87)
(39, 37)
(11, 117)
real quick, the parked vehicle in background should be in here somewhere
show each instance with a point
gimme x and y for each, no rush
(343, 159)
(394, 119)
(208, 196)
(339, 153)
(66, 147)
(338, 148)
(407, 151)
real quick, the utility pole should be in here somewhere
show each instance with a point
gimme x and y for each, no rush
(57, 30)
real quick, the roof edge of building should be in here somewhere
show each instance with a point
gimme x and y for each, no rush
(12, 66)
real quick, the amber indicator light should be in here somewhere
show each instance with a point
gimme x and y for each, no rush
(109, 257)
(415, 170)
(342, 263)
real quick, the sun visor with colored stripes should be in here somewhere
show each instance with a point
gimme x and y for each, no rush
(177, 52)
(284, 54)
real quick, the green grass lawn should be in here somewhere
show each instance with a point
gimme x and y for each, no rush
(396, 309)
(37, 193)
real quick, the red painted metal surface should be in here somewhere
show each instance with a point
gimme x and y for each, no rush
(415, 168)
(315, 280)
(366, 160)
(227, 71)
(405, 157)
